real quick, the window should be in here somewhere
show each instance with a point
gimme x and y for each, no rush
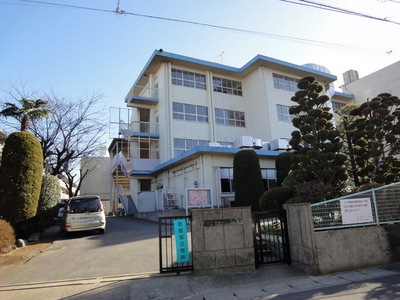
(337, 105)
(269, 178)
(183, 145)
(229, 117)
(189, 79)
(227, 86)
(226, 175)
(283, 113)
(285, 82)
(188, 112)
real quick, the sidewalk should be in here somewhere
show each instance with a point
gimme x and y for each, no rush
(268, 282)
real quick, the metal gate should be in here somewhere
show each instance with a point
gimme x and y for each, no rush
(175, 244)
(271, 243)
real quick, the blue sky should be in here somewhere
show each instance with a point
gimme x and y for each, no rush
(75, 51)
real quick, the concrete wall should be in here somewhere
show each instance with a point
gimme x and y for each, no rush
(222, 240)
(323, 252)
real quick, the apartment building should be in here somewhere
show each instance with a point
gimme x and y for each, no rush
(186, 118)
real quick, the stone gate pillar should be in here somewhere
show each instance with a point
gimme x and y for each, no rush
(222, 240)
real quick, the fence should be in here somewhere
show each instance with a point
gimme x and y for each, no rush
(372, 207)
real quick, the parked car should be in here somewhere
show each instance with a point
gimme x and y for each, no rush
(83, 213)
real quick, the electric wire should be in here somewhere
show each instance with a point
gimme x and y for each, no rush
(252, 32)
(314, 4)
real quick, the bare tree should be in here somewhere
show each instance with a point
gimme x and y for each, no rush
(74, 130)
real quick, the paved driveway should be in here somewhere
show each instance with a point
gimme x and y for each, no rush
(129, 246)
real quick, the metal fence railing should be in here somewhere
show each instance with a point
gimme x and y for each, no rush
(372, 207)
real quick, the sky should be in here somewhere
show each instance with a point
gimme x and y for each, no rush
(74, 51)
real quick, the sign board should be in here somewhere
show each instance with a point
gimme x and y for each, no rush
(355, 211)
(196, 198)
(181, 240)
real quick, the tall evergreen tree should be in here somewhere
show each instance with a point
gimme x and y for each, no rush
(347, 132)
(247, 179)
(21, 177)
(376, 139)
(316, 142)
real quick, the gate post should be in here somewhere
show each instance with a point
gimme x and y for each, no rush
(222, 240)
(302, 237)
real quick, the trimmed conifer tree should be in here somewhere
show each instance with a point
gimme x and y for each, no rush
(316, 142)
(21, 177)
(247, 179)
(376, 139)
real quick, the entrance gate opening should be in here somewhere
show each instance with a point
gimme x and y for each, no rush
(271, 243)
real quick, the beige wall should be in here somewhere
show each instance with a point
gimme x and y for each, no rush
(323, 252)
(386, 80)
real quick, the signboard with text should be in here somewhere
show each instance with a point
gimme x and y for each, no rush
(181, 240)
(198, 198)
(355, 211)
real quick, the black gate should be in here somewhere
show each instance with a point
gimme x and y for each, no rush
(271, 243)
(175, 244)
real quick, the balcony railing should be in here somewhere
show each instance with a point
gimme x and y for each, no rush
(143, 94)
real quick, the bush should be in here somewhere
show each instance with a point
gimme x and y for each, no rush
(21, 177)
(275, 198)
(247, 179)
(282, 165)
(7, 236)
(50, 196)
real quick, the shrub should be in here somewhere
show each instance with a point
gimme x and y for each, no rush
(21, 177)
(7, 236)
(275, 198)
(247, 179)
(50, 196)
(282, 165)
(50, 193)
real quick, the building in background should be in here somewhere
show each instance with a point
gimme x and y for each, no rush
(97, 181)
(186, 118)
(386, 80)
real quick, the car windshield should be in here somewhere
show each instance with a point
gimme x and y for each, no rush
(85, 205)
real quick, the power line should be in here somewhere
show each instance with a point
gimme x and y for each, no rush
(314, 4)
(252, 32)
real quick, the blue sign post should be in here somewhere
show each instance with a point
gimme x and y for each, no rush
(181, 241)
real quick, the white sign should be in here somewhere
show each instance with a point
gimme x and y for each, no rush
(356, 210)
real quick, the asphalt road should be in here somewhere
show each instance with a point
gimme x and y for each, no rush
(129, 246)
(384, 288)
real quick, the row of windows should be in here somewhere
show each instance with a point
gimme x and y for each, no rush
(183, 145)
(197, 113)
(226, 174)
(283, 82)
(337, 105)
(190, 112)
(198, 81)
(189, 79)
(229, 117)
(283, 113)
(227, 86)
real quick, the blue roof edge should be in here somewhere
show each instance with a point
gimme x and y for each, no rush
(344, 95)
(229, 68)
(203, 149)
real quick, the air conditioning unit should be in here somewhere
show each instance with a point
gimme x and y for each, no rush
(280, 144)
(214, 144)
(257, 144)
(244, 142)
(266, 145)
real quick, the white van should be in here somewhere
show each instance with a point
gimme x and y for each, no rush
(84, 213)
